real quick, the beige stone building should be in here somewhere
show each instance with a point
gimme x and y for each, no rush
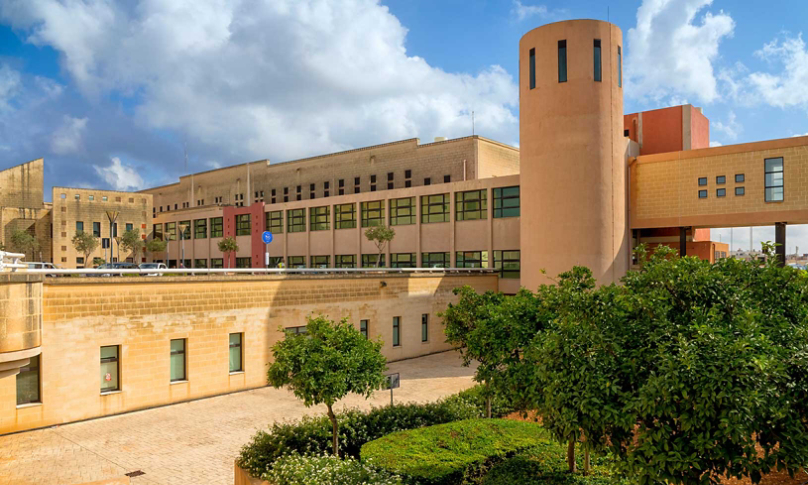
(22, 208)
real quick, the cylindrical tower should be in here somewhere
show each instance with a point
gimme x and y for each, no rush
(572, 151)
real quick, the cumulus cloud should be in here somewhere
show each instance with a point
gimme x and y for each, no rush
(120, 176)
(673, 48)
(68, 137)
(276, 79)
(714, 144)
(788, 88)
(522, 11)
(731, 128)
(9, 85)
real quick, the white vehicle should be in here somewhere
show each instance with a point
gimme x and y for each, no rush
(34, 265)
(152, 266)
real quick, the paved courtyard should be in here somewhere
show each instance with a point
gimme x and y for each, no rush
(195, 442)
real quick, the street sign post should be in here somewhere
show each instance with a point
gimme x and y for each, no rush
(266, 236)
(393, 382)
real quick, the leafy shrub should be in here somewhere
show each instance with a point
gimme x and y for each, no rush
(326, 470)
(312, 435)
(452, 453)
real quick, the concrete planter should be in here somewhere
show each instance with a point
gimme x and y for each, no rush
(242, 477)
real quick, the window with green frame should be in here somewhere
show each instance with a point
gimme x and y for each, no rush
(472, 259)
(508, 263)
(185, 230)
(297, 261)
(243, 225)
(471, 205)
(200, 229)
(320, 262)
(345, 261)
(296, 220)
(216, 262)
(216, 227)
(372, 213)
(434, 208)
(243, 262)
(171, 231)
(403, 260)
(435, 260)
(158, 232)
(275, 222)
(345, 216)
(402, 211)
(319, 218)
(369, 260)
(506, 202)
(200, 263)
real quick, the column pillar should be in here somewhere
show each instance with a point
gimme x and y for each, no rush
(780, 241)
(682, 242)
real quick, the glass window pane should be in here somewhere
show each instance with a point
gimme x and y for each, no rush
(774, 164)
(235, 352)
(177, 357)
(28, 382)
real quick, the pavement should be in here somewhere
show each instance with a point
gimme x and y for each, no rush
(193, 443)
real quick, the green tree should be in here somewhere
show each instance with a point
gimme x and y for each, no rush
(326, 363)
(227, 246)
(131, 242)
(23, 242)
(98, 261)
(86, 244)
(380, 235)
(156, 246)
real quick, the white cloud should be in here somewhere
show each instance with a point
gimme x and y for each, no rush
(789, 87)
(120, 176)
(10, 84)
(732, 128)
(714, 144)
(798, 135)
(68, 137)
(270, 78)
(672, 49)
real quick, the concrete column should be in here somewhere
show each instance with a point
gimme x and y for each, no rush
(682, 242)
(780, 241)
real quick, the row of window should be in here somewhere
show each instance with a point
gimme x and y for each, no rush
(739, 191)
(29, 378)
(104, 198)
(470, 205)
(97, 228)
(774, 182)
(364, 328)
(597, 63)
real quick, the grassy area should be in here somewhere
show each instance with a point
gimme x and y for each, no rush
(546, 464)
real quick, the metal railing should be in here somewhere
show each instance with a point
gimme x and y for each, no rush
(256, 271)
(11, 261)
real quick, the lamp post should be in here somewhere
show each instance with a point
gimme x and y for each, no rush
(112, 216)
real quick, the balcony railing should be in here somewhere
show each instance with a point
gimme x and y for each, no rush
(258, 271)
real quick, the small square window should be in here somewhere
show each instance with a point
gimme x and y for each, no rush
(447, 179)
(427, 181)
(721, 192)
(740, 191)
(407, 174)
(739, 178)
(702, 181)
(702, 194)
(721, 179)
(356, 180)
(390, 175)
(408, 183)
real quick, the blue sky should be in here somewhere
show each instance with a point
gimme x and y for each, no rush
(110, 93)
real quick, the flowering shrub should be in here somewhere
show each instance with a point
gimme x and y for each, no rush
(297, 469)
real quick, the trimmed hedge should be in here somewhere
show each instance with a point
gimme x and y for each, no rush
(326, 470)
(451, 453)
(312, 435)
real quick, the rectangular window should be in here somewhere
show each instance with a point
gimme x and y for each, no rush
(702, 181)
(243, 225)
(428, 181)
(702, 194)
(110, 368)
(396, 331)
(472, 259)
(345, 216)
(236, 358)
(363, 328)
(619, 67)
(320, 262)
(447, 179)
(345, 261)
(471, 205)
(129, 226)
(403, 260)
(721, 179)
(508, 263)
(740, 191)
(720, 192)
(402, 211)
(532, 68)
(243, 263)
(425, 327)
(275, 261)
(274, 222)
(299, 330)
(372, 213)
(171, 231)
(319, 218)
(96, 229)
(115, 229)
(774, 179)
(158, 232)
(28, 382)
(739, 178)
(177, 357)
(369, 261)
(597, 62)
(506, 202)
(434, 208)
(80, 261)
(296, 220)
(200, 263)
(562, 61)
(216, 227)
(216, 263)
(435, 260)
(200, 229)
(79, 226)
(185, 230)
(297, 262)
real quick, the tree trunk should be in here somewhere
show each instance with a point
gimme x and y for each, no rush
(571, 455)
(335, 429)
(586, 461)
(488, 400)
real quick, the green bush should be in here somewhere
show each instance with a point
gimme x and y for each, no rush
(546, 464)
(312, 435)
(452, 453)
(326, 470)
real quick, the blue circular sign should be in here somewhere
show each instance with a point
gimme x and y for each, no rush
(266, 237)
